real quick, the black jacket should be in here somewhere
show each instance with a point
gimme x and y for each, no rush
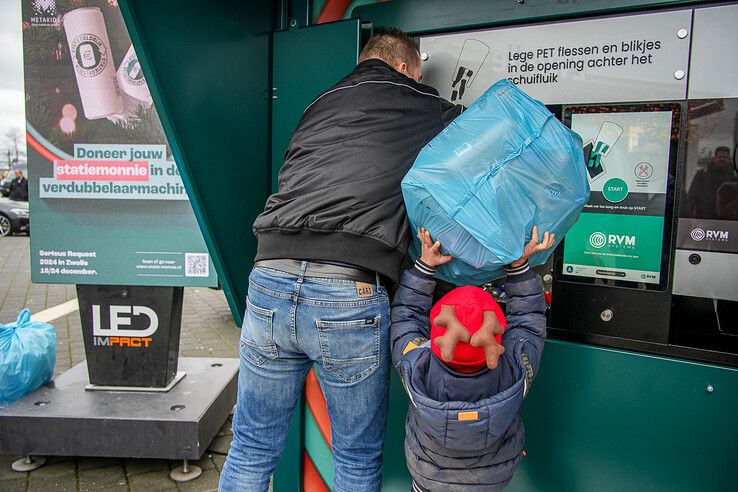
(19, 190)
(339, 196)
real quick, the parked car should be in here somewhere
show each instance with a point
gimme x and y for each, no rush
(13, 217)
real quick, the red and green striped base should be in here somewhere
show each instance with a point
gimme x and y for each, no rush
(318, 460)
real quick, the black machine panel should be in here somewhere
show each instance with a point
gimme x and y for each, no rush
(612, 270)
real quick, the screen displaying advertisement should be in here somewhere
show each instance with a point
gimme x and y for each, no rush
(107, 203)
(620, 234)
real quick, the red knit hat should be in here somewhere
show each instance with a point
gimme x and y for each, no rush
(469, 304)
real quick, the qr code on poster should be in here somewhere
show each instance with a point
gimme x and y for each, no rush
(197, 265)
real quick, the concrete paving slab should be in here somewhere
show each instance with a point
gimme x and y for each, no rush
(208, 481)
(206, 462)
(151, 481)
(102, 477)
(138, 467)
(17, 485)
(54, 471)
(59, 484)
(219, 460)
(86, 464)
(221, 444)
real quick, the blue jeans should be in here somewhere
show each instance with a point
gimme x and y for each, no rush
(291, 323)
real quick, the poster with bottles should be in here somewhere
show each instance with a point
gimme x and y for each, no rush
(107, 203)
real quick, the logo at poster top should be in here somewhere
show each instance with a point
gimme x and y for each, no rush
(133, 72)
(597, 240)
(44, 7)
(44, 13)
(90, 55)
(697, 234)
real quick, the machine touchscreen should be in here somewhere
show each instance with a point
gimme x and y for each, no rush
(622, 235)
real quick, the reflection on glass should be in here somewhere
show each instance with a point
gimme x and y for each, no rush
(711, 181)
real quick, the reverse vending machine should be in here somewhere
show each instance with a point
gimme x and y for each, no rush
(651, 265)
(638, 387)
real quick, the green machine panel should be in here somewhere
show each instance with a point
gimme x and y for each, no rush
(208, 69)
(609, 420)
(603, 420)
(425, 16)
(307, 61)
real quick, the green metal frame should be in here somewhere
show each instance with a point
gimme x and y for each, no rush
(428, 16)
(299, 51)
(605, 420)
(208, 69)
(610, 420)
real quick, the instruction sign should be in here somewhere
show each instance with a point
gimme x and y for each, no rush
(617, 59)
(620, 232)
(107, 203)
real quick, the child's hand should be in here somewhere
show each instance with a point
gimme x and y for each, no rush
(431, 252)
(534, 246)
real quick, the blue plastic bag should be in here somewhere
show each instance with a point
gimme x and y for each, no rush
(504, 165)
(27, 356)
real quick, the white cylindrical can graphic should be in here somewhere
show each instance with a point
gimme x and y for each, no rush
(131, 80)
(89, 48)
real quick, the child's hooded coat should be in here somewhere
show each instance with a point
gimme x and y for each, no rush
(465, 445)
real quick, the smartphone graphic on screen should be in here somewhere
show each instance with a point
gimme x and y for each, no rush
(593, 161)
(471, 58)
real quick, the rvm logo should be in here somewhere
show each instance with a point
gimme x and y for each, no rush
(699, 234)
(598, 240)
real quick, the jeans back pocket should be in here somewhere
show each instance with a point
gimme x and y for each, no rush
(257, 334)
(350, 349)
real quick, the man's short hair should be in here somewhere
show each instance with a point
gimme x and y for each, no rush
(722, 149)
(392, 46)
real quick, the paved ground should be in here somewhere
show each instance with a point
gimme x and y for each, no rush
(207, 330)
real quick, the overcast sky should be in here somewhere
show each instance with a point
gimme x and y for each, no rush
(11, 68)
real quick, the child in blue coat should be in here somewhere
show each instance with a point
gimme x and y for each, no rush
(466, 383)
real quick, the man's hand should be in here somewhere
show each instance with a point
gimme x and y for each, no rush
(431, 252)
(534, 246)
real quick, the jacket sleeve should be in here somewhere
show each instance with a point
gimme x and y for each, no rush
(526, 313)
(449, 111)
(411, 310)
